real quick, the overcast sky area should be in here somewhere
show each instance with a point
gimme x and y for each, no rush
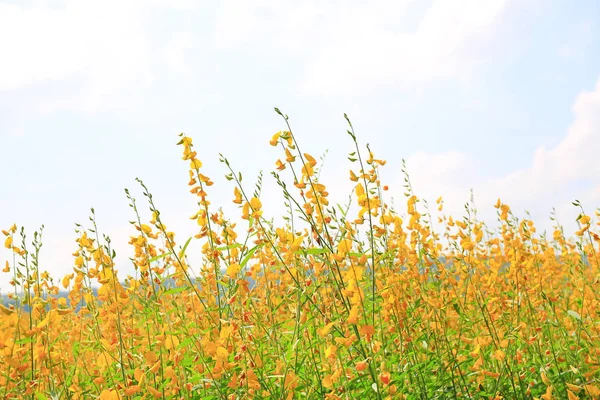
(498, 96)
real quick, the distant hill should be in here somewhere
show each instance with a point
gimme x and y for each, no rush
(168, 283)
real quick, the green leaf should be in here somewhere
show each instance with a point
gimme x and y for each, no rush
(249, 255)
(574, 314)
(182, 252)
(25, 340)
(175, 290)
(231, 246)
(40, 396)
(456, 308)
(158, 257)
(314, 250)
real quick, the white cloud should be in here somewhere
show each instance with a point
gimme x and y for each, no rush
(99, 48)
(573, 159)
(101, 52)
(448, 174)
(176, 50)
(17, 132)
(367, 55)
(365, 44)
(547, 183)
(260, 24)
(183, 5)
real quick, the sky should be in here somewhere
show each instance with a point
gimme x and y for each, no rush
(498, 96)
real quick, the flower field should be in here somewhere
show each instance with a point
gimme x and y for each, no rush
(358, 301)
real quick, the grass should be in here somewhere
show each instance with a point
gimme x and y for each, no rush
(333, 304)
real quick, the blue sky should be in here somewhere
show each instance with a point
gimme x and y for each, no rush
(500, 96)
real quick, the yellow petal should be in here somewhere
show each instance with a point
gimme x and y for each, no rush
(79, 261)
(5, 310)
(545, 379)
(344, 246)
(222, 353)
(195, 164)
(255, 203)
(275, 139)
(232, 270)
(66, 280)
(325, 330)
(150, 357)
(109, 395)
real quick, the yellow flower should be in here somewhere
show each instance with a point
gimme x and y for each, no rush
(289, 157)
(238, 195)
(79, 261)
(331, 352)
(255, 203)
(233, 270)
(150, 357)
(545, 379)
(344, 246)
(66, 280)
(253, 206)
(222, 353)
(275, 139)
(353, 317)
(367, 330)
(499, 355)
(574, 388)
(310, 159)
(5, 310)
(109, 395)
(592, 390)
(185, 141)
(571, 395)
(361, 366)
(325, 330)
(195, 164)
(584, 220)
(411, 204)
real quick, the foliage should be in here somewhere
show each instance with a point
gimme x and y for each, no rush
(329, 305)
